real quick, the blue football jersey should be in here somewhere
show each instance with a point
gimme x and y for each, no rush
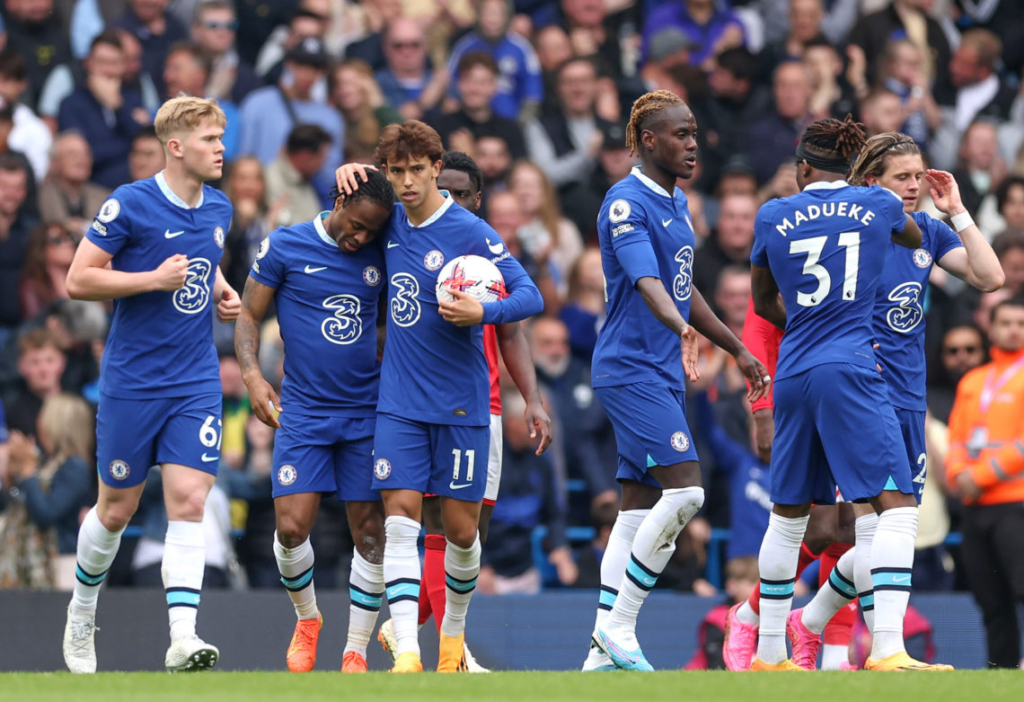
(826, 248)
(434, 371)
(161, 343)
(644, 232)
(899, 311)
(327, 307)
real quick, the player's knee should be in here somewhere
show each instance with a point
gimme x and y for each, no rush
(291, 532)
(187, 508)
(115, 517)
(370, 545)
(462, 535)
(820, 534)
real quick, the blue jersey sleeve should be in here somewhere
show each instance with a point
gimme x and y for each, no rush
(524, 299)
(631, 240)
(269, 266)
(944, 239)
(111, 228)
(893, 210)
(759, 252)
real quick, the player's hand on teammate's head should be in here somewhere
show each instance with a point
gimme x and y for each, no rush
(230, 305)
(348, 176)
(537, 419)
(755, 373)
(690, 344)
(266, 405)
(465, 311)
(171, 274)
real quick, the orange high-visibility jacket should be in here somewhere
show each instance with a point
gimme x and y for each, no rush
(998, 467)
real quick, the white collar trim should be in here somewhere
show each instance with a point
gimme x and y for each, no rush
(161, 181)
(826, 185)
(434, 217)
(648, 182)
(318, 223)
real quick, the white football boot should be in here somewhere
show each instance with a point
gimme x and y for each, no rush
(190, 654)
(80, 643)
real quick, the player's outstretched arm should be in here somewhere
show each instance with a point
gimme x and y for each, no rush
(703, 318)
(652, 290)
(911, 236)
(767, 301)
(91, 278)
(515, 351)
(976, 263)
(264, 400)
(348, 176)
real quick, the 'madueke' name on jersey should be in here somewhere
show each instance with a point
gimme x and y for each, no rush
(826, 248)
(434, 371)
(327, 308)
(161, 343)
(644, 232)
(899, 311)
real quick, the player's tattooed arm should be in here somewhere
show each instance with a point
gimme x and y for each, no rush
(703, 318)
(515, 352)
(256, 298)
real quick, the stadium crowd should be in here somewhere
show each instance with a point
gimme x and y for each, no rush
(537, 92)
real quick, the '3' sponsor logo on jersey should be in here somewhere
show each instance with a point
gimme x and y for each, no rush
(345, 326)
(192, 298)
(405, 308)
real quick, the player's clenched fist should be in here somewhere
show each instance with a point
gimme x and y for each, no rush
(171, 274)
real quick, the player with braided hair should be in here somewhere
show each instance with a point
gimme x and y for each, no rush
(644, 350)
(824, 250)
(326, 278)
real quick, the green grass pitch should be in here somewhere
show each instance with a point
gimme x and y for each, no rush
(961, 686)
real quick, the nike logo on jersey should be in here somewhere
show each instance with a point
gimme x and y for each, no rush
(666, 222)
(168, 234)
(453, 486)
(310, 269)
(495, 248)
(392, 244)
(209, 459)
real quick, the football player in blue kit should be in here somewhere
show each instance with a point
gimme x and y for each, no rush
(824, 249)
(326, 278)
(894, 161)
(155, 248)
(433, 415)
(642, 353)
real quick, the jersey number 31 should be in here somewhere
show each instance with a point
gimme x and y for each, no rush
(813, 248)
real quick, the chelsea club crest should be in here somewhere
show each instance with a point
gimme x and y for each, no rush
(922, 258)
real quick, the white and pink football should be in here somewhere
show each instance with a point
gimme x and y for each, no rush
(471, 274)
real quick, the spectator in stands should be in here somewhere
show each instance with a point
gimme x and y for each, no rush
(68, 197)
(269, 114)
(407, 82)
(770, 141)
(566, 144)
(253, 485)
(589, 557)
(982, 313)
(506, 217)
(589, 444)
(972, 90)
(531, 497)
(53, 483)
(732, 292)
(34, 31)
(584, 310)
(214, 29)
(731, 242)
(736, 101)
(16, 223)
(289, 177)
(305, 23)
(105, 111)
(29, 134)
(546, 234)
(1009, 248)
(980, 170)
(737, 179)
(146, 157)
(582, 201)
(983, 466)
(710, 26)
(256, 22)
(740, 580)
(136, 75)
(907, 18)
(246, 188)
(495, 161)
(186, 72)
(553, 49)
(156, 30)
(831, 95)
(518, 88)
(78, 326)
(236, 411)
(47, 261)
(805, 17)
(40, 366)
(963, 349)
(354, 91)
(903, 73)
(1010, 202)
(478, 81)
(881, 111)
(592, 34)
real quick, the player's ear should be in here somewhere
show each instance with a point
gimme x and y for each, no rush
(476, 202)
(870, 179)
(438, 165)
(647, 139)
(175, 147)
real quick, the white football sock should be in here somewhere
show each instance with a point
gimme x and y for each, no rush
(296, 568)
(616, 556)
(461, 568)
(865, 529)
(366, 592)
(653, 546)
(182, 570)
(97, 548)
(777, 563)
(838, 592)
(402, 580)
(833, 656)
(747, 615)
(892, 562)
